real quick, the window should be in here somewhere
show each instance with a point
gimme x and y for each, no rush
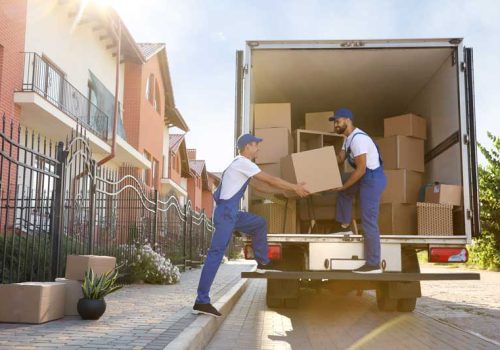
(156, 102)
(149, 88)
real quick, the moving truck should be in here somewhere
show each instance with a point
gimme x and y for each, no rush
(376, 79)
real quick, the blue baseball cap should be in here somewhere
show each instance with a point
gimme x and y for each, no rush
(245, 139)
(342, 113)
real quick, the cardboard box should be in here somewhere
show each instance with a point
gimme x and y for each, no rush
(405, 125)
(73, 293)
(281, 216)
(76, 265)
(398, 219)
(444, 194)
(322, 207)
(273, 169)
(402, 186)
(319, 121)
(272, 115)
(269, 192)
(277, 143)
(31, 302)
(435, 219)
(402, 152)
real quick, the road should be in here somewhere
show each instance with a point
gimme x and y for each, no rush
(451, 315)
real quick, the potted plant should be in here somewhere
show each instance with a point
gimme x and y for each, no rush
(95, 288)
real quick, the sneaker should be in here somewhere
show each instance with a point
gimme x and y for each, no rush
(261, 268)
(206, 309)
(368, 269)
(338, 228)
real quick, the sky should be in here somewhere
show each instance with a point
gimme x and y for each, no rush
(202, 37)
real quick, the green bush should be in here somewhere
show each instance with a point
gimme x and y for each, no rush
(483, 253)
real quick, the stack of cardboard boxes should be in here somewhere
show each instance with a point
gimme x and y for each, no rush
(436, 216)
(402, 151)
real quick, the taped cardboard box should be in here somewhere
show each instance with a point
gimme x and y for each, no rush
(77, 265)
(435, 219)
(272, 115)
(402, 152)
(444, 194)
(31, 302)
(402, 186)
(398, 219)
(317, 168)
(277, 143)
(281, 216)
(406, 125)
(319, 121)
(73, 293)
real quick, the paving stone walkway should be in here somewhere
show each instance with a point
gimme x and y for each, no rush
(139, 316)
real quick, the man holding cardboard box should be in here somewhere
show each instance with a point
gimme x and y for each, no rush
(368, 179)
(228, 217)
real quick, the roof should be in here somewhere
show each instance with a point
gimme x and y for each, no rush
(175, 141)
(199, 169)
(150, 49)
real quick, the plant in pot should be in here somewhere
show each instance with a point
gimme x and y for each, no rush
(95, 288)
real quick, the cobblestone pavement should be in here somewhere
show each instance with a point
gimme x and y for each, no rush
(324, 321)
(140, 316)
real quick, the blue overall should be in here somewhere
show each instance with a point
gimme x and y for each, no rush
(370, 188)
(228, 218)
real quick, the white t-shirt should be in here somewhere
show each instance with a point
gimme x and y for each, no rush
(362, 144)
(235, 176)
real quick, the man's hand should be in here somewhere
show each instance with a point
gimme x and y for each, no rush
(301, 190)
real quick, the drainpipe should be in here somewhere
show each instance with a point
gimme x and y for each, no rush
(115, 111)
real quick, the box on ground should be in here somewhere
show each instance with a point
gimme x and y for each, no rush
(402, 152)
(444, 194)
(273, 169)
(73, 293)
(402, 186)
(435, 219)
(281, 216)
(31, 302)
(317, 168)
(277, 143)
(398, 219)
(405, 125)
(77, 265)
(272, 115)
(319, 121)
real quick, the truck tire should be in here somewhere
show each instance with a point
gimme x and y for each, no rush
(384, 303)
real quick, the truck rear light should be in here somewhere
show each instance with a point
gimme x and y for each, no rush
(448, 255)
(274, 252)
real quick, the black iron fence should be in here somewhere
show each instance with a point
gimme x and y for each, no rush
(56, 201)
(48, 81)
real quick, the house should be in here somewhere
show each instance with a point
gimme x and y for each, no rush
(198, 182)
(64, 68)
(175, 180)
(150, 110)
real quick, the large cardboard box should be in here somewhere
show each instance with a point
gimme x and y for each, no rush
(318, 168)
(273, 169)
(435, 219)
(405, 125)
(398, 219)
(31, 302)
(272, 115)
(319, 121)
(76, 265)
(277, 143)
(402, 186)
(73, 293)
(281, 216)
(402, 152)
(444, 194)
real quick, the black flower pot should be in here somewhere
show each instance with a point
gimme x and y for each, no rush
(91, 309)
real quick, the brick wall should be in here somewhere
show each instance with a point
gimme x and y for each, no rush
(208, 203)
(191, 153)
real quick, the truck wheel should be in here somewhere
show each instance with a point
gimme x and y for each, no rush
(407, 304)
(384, 303)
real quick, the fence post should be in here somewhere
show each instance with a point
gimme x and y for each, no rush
(155, 219)
(56, 220)
(92, 211)
(184, 253)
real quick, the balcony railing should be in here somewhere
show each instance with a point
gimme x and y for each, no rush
(48, 81)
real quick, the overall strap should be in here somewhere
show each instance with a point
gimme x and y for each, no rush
(350, 159)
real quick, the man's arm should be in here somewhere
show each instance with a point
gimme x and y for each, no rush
(282, 184)
(341, 157)
(358, 173)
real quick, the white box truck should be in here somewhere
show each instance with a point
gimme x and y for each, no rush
(376, 79)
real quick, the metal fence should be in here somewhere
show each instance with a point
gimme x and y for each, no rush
(56, 201)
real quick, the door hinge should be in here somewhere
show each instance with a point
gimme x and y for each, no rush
(454, 58)
(469, 214)
(463, 67)
(466, 139)
(245, 69)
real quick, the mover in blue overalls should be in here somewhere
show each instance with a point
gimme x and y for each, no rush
(368, 179)
(228, 217)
